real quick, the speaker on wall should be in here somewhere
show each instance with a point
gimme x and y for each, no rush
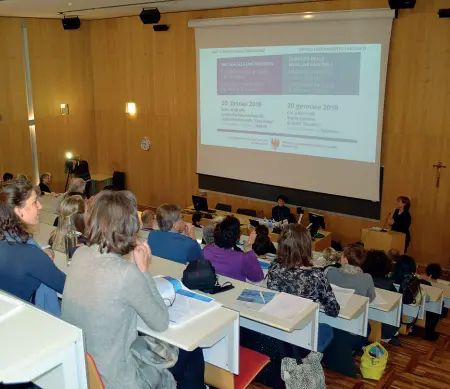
(444, 13)
(160, 27)
(401, 4)
(71, 23)
(150, 16)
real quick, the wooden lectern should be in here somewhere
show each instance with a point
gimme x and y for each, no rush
(380, 240)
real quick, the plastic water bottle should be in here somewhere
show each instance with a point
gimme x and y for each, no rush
(70, 241)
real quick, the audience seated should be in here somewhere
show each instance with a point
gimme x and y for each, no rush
(105, 293)
(262, 246)
(7, 177)
(147, 218)
(22, 177)
(263, 230)
(350, 274)
(71, 213)
(208, 230)
(228, 262)
(44, 182)
(292, 273)
(378, 265)
(175, 239)
(196, 217)
(339, 355)
(23, 265)
(433, 273)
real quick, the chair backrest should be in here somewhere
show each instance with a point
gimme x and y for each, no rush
(95, 381)
(223, 207)
(119, 180)
(247, 212)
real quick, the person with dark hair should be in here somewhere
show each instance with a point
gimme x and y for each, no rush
(196, 217)
(44, 181)
(7, 177)
(433, 273)
(281, 212)
(108, 286)
(404, 267)
(175, 240)
(23, 265)
(241, 266)
(261, 231)
(262, 246)
(378, 265)
(401, 219)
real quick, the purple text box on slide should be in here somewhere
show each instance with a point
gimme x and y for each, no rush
(260, 75)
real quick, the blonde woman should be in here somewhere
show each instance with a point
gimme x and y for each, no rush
(71, 211)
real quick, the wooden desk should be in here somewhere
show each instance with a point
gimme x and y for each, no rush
(385, 241)
(97, 178)
(38, 347)
(217, 332)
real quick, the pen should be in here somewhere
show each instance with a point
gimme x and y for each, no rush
(264, 301)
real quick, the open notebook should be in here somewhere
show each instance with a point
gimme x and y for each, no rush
(183, 304)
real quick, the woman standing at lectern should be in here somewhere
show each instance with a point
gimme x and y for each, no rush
(401, 220)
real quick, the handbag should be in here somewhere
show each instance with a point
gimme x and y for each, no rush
(200, 275)
(374, 361)
(307, 375)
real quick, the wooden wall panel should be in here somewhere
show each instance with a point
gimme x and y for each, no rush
(157, 71)
(61, 73)
(15, 146)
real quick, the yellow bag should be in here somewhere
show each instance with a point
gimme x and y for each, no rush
(374, 361)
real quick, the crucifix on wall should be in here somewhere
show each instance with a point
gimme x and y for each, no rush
(438, 167)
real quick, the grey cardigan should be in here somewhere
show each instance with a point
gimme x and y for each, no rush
(361, 282)
(103, 296)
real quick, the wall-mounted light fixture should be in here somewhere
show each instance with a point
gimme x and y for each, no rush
(64, 109)
(130, 108)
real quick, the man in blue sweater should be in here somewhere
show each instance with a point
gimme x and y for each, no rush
(175, 240)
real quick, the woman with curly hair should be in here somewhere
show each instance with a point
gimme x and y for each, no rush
(23, 266)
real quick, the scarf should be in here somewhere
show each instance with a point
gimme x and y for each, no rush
(350, 269)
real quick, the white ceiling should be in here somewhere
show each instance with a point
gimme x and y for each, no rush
(101, 9)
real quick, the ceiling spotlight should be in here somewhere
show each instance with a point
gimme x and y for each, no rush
(150, 16)
(71, 23)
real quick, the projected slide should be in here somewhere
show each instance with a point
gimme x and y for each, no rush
(310, 100)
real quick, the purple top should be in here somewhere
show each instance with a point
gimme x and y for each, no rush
(241, 266)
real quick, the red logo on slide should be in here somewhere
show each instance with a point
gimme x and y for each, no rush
(275, 143)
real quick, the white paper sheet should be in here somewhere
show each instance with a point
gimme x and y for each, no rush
(286, 306)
